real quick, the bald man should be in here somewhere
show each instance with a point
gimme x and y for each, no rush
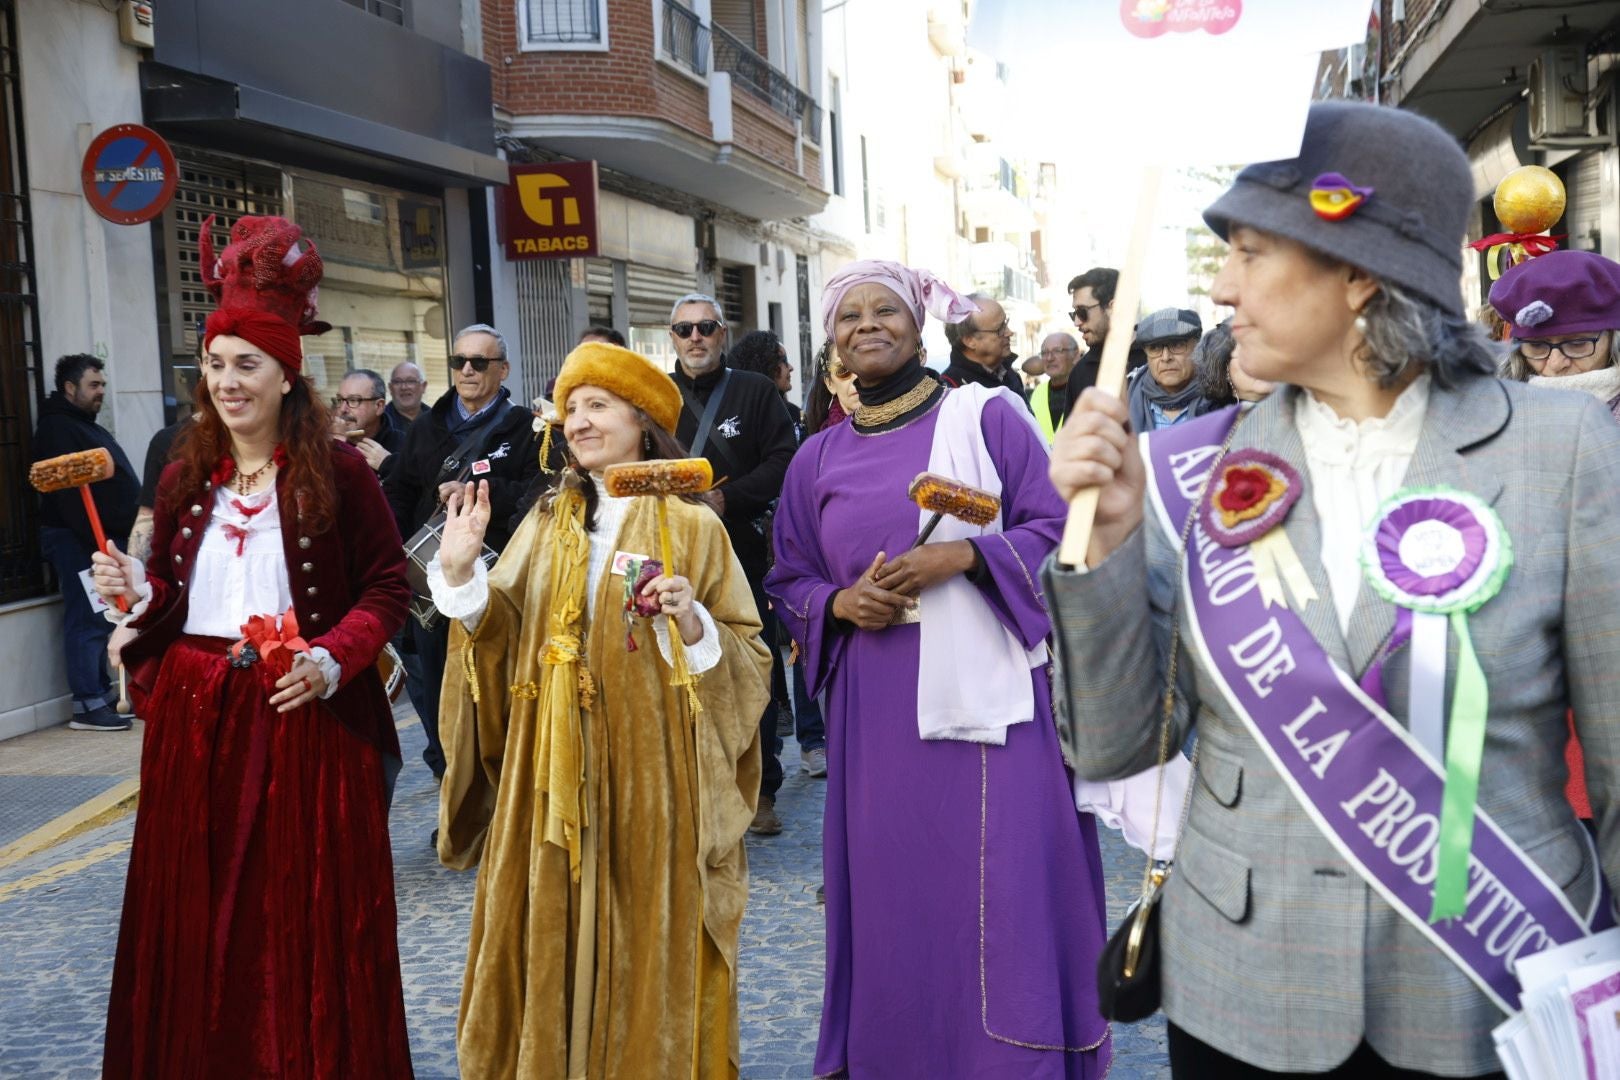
(1050, 400)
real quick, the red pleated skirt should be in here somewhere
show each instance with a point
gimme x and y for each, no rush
(258, 932)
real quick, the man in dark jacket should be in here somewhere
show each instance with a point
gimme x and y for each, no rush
(473, 432)
(738, 421)
(361, 418)
(1092, 294)
(981, 349)
(67, 425)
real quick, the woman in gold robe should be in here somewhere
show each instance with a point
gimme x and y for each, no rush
(604, 797)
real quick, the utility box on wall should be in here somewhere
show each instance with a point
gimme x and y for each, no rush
(1558, 88)
(135, 23)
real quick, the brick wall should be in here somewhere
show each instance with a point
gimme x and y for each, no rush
(761, 130)
(627, 80)
(1396, 34)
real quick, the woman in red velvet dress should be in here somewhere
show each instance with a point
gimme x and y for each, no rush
(258, 933)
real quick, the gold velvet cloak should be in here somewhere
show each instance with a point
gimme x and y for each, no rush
(631, 972)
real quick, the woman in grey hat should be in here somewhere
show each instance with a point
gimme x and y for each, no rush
(1383, 586)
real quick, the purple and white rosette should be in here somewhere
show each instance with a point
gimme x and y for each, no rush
(1439, 554)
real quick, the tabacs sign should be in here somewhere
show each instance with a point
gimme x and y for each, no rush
(551, 211)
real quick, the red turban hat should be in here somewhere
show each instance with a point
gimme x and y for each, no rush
(265, 283)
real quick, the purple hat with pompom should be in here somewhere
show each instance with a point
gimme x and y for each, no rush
(1562, 292)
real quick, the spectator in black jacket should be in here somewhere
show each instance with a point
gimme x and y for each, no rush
(67, 425)
(981, 349)
(749, 441)
(1092, 294)
(473, 432)
(360, 417)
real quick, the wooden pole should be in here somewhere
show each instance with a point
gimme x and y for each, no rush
(1111, 373)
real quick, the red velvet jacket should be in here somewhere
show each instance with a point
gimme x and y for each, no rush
(348, 586)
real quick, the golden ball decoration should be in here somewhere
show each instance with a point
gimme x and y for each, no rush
(1529, 199)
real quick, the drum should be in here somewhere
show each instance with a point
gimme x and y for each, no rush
(392, 670)
(420, 550)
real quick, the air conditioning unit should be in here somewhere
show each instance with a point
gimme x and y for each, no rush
(1558, 94)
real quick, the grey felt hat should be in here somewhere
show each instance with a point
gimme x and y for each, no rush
(1392, 193)
(1169, 324)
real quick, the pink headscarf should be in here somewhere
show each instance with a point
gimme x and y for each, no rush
(919, 290)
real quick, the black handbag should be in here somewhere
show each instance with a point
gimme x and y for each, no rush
(1128, 982)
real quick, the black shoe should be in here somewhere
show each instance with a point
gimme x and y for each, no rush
(821, 893)
(100, 718)
(784, 721)
(433, 840)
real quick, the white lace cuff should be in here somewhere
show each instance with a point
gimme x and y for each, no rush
(138, 608)
(465, 602)
(700, 656)
(331, 670)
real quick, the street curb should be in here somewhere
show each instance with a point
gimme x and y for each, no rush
(109, 806)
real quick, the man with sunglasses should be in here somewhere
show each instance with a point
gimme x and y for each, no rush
(360, 418)
(1092, 294)
(738, 420)
(473, 432)
(981, 349)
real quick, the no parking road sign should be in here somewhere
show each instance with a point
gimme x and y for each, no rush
(129, 174)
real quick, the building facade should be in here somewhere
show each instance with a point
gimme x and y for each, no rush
(1519, 84)
(291, 108)
(707, 126)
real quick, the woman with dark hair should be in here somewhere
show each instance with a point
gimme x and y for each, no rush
(1379, 592)
(258, 934)
(1221, 378)
(601, 772)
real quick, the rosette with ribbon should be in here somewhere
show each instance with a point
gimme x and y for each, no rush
(1438, 555)
(276, 646)
(1249, 499)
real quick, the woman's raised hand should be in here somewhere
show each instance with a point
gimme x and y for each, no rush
(1094, 448)
(866, 604)
(466, 519)
(114, 575)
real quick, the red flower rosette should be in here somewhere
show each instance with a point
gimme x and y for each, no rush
(1249, 496)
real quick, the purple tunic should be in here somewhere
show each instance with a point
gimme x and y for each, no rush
(965, 903)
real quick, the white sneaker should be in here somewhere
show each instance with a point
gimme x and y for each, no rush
(813, 762)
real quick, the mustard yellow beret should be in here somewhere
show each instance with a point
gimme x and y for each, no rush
(624, 373)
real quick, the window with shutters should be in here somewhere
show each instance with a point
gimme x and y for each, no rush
(736, 16)
(569, 25)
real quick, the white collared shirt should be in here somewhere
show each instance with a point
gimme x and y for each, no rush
(1353, 467)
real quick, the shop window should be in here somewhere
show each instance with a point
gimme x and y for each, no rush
(391, 10)
(22, 572)
(363, 206)
(563, 24)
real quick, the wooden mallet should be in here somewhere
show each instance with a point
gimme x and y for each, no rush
(80, 470)
(661, 479)
(942, 497)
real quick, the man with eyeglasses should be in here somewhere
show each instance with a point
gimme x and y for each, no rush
(360, 418)
(981, 349)
(1166, 392)
(407, 384)
(473, 432)
(737, 419)
(1050, 400)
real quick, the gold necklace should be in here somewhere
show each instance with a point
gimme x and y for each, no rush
(869, 416)
(245, 481)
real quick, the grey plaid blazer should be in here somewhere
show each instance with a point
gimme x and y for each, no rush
(1274, 950)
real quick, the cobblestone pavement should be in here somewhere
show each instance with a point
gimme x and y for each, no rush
(59, 925)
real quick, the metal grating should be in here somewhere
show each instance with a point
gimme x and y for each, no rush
(389, 10)
(229, 189)
(545, 330)
(556, 22)
(22, 379)
(686, 39)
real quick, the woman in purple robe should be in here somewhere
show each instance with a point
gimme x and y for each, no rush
(965, 904)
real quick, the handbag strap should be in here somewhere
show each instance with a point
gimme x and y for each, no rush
(1168, 710)
(706, 415)
(467, 450)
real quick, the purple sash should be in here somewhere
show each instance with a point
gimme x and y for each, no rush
(1370, 788)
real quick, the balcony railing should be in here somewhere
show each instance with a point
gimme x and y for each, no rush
(755, 74)
(686, 39)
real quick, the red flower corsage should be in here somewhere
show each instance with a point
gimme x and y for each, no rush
(1252, 493)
